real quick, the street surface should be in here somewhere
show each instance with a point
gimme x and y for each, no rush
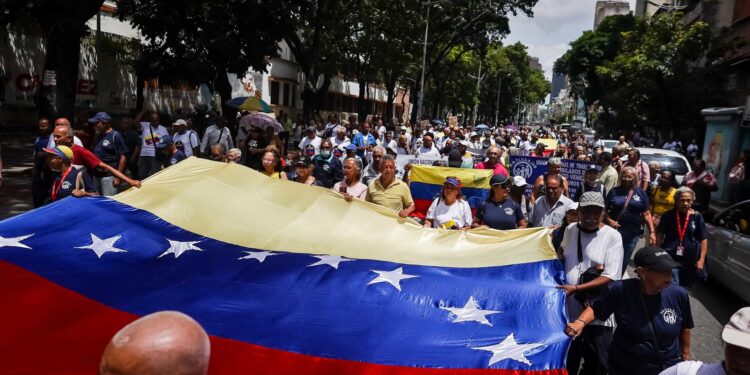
(711, 303)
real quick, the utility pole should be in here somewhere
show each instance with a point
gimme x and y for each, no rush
(497, 106)
(479, 77)
(518, 108)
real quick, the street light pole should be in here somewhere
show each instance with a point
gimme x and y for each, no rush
(420, 100)
(497, 106)
(479, 78)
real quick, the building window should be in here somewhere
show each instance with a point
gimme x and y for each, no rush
(293, 102)
(275, 92)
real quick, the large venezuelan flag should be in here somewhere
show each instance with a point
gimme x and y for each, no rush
(425, 183)
(285, 278)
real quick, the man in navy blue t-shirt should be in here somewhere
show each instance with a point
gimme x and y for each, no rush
(168, 152)
(71, 180)
(635, 302)
(110, 149)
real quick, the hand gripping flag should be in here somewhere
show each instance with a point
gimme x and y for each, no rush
(426, 182)
(285, 278)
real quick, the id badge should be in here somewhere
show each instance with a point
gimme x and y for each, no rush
(680, 250)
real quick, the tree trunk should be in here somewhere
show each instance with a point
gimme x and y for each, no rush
(224, 88)
(390, 85)
(57, 95)
(362, 101)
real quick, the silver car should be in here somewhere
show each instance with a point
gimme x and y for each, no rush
(729, 249)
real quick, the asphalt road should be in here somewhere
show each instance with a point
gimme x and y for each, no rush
(712, 304)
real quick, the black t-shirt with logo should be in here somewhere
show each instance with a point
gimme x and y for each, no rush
(632, 349)
(254, 161)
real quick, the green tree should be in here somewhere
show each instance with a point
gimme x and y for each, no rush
(588, 52)
(63, 26)
(656, 67)
(199, 41)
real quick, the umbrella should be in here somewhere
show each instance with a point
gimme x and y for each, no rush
(249, 103)
(511, 127)
(260, 120)
(438, 122)
(481, 127)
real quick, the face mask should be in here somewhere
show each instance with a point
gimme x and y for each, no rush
(325, 154)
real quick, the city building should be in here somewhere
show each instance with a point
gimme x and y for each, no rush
(535, 64)
(605, 9)
(559, 82)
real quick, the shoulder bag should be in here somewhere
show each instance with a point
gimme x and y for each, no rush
(589, 296)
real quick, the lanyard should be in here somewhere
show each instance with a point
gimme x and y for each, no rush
(681, 230)
(57, 186)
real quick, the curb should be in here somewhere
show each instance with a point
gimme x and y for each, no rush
(17, 171)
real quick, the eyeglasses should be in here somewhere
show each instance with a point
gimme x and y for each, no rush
(502, 186)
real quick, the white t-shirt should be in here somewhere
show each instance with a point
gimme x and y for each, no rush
(315, 142)
(189, 141)
(695, 368)
(147, 144)
(601, 248)
(424, 151)
(457, 215)
(340, 144)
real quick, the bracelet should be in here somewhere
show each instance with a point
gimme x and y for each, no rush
(581, 320)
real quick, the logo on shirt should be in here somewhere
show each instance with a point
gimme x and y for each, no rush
(636, 198)
(669, 316)
(509, 211)
(66, 185)
(173, 161)
(105, 143)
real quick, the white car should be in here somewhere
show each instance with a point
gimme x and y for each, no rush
(729, 248)
(609, 143)
(668, 160)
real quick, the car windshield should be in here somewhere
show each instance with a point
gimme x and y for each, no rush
(670, 163)
(610, 144)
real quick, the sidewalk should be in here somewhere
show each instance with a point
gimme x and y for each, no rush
(18, 161)
(17, 154)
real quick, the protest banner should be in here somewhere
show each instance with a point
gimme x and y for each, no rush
(453, 122)
(403, 160)
(530, 168)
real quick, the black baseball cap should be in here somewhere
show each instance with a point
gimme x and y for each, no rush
(499, 179)
(655, 258)
(303, 161)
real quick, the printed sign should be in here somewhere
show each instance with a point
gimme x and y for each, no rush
(530, 168)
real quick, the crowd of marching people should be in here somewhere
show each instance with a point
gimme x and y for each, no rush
(595, 231)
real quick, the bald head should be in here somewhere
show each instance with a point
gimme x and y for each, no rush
(166, 343)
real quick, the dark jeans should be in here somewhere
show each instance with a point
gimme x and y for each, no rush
(148, 165)
(591, 347)
(284, 136)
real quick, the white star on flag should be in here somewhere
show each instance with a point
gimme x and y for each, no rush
(178, 248)
(100, 246)
(471, 313)
(331, 260)
(260, 256)
(391, 277)
(14, 241)
(509, 349)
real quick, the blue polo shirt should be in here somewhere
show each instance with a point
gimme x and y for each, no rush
(67, 185)
(502, 216)
(638, 204)
(109, 147)
(175, 158)
(632, 349)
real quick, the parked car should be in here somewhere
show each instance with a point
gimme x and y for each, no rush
(729, 249)
(668, 160)
(609, 143)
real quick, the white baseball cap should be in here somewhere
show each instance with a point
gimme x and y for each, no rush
(519, 181)
(737, 331)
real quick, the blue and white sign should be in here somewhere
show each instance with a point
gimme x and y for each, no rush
(530, 168)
